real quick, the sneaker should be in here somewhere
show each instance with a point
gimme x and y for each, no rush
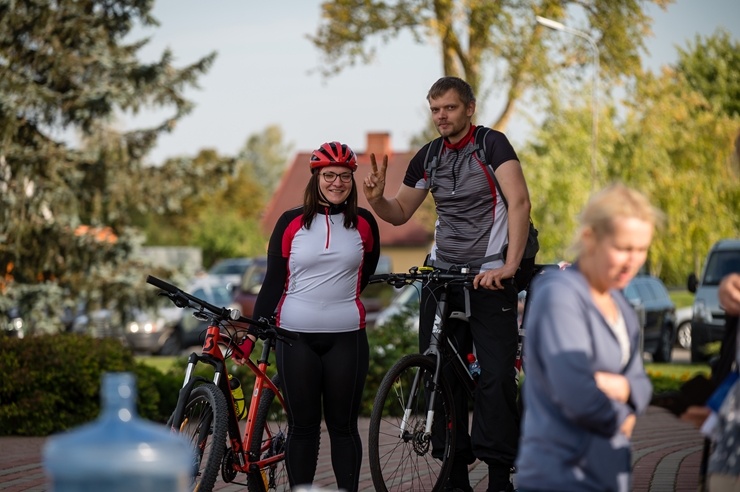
(500, 479)
(458, 481)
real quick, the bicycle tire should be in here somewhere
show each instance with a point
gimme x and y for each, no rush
(405, 462)
(204, 422)
(272, 422)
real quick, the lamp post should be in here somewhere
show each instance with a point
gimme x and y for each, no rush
(557, 26)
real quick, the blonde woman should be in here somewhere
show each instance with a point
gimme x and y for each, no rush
(585, 380)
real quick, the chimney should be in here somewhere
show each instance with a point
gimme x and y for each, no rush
(379, 144)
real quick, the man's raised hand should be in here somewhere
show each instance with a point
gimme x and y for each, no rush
(374, 182)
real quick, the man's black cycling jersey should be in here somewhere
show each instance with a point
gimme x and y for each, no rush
(472, 220)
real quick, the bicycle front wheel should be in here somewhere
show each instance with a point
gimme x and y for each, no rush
(204, 422)
(268, 441)
(403, 454)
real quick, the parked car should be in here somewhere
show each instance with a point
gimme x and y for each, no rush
(149, 330)
(708, 323)
(250, 284)
(230, 270)
(173, 329)
(96, 320)
(11, 323)
(405, 303)
(650, 298)
(683, 327)
(245, 295)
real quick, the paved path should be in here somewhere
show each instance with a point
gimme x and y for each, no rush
(666, 458)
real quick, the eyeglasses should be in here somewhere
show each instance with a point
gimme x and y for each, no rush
(331, 177)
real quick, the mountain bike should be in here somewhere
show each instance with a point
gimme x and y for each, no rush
(207, 411)
(412, 434)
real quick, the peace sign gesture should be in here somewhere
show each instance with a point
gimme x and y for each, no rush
(374, 182)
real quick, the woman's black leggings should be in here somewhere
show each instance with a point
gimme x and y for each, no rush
(326, 369)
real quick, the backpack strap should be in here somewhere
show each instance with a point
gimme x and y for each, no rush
(434, 150)
(481, 152)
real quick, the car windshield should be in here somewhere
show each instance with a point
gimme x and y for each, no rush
(221, 295)
(720, 264)
(254, 277)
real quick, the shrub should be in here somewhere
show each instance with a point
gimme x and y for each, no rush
(52, 383)
(387, 344)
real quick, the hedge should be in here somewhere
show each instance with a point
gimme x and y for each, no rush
(52, 383)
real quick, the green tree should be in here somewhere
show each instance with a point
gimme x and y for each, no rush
(678, 148)
(215, 202)
(474, 34)
(668, 142)
(266, 155)
(557, 166)
(711, 66)
(64, 69)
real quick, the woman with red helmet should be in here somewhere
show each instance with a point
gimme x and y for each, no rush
(319, 259)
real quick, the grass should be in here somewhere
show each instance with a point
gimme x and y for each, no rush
(162, 363)
(681, 298)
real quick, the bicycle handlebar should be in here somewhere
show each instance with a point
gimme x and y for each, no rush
(425, 274)
(260, 328)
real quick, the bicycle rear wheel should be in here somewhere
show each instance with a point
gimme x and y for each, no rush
(403, 456)
(270, 432)
(204, 422)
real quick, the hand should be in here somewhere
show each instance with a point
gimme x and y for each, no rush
(374, 183)
(493, 279)
(628, 425)
(614, 386)
(247, 346)
(729, 294)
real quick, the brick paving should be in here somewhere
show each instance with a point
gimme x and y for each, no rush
(666, 458)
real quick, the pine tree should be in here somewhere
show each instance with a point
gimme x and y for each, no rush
(67, 68)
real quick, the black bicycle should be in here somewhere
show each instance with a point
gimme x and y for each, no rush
(412, 434)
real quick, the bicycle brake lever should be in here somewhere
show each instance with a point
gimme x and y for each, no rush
(180, 300)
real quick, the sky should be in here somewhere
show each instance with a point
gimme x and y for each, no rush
(264, 74)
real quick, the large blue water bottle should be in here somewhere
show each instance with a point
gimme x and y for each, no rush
(119, 451)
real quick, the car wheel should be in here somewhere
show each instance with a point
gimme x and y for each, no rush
(683, 335)
(664, 351)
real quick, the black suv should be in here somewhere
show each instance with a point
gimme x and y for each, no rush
(657, 313)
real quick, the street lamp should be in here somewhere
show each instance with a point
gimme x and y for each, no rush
(594, 103)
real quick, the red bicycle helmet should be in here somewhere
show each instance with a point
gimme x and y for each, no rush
(333, 154)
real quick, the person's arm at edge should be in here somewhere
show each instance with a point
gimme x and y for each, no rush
(514, 187)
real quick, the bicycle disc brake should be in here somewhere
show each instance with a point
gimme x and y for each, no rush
(421, 441)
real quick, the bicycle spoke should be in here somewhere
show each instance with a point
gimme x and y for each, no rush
(401, 450)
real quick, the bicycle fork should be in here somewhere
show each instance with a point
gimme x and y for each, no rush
(437, 338)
